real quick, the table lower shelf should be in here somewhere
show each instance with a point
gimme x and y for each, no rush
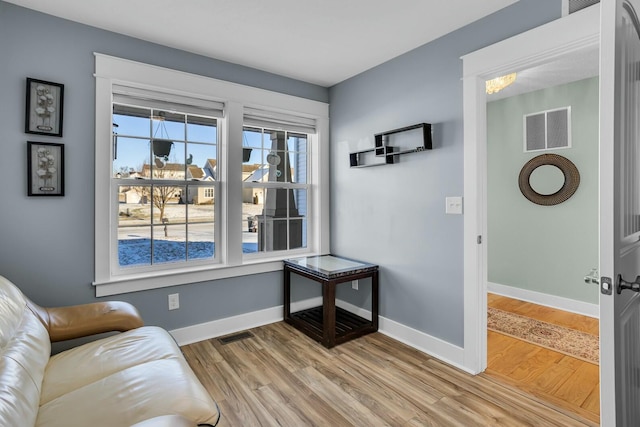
(348, 325)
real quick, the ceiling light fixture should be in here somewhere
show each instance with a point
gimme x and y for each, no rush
(499, 83)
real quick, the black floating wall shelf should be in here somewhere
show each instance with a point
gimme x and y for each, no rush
(384, 152)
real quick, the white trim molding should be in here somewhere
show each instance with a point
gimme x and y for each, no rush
(553, 301)
(441, 350)
(229, 325)
(435, 347)
(425, 343)
(241, 322)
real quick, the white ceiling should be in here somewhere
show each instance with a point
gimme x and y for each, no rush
(322, 42)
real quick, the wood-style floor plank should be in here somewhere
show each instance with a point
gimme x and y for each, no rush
(568, 383)
(280, 377)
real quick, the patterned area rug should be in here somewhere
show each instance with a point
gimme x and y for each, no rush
(580, 345)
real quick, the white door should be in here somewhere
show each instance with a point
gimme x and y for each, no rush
(620, 212)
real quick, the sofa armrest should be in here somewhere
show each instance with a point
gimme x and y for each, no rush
(166, 421)
(64, 323)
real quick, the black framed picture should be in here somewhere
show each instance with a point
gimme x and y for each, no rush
(45, 102)
(45, 169)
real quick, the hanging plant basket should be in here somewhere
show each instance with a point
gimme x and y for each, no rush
(162, 147)
(246, 154)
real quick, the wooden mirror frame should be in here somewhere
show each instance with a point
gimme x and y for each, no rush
(569, 187)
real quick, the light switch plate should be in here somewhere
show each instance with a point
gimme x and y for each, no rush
(453, 205)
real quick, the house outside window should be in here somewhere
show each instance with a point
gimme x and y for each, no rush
(176, 201)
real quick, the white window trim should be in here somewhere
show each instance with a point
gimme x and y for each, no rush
(311, 140)
(112, 70)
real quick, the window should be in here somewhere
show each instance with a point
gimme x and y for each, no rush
(547, 130)
(275, 188)
(164, 179)
(194, 182)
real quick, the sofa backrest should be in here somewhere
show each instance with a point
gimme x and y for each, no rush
(24, 353)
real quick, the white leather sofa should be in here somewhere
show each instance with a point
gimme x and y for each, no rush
(135, 378)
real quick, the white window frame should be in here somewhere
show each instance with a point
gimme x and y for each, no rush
(116, 269)
(285, 185)
(112, 70)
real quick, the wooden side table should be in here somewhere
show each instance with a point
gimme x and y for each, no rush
(328, 324)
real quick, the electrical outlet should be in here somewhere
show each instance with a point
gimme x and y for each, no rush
(174, 301)
(354, 284)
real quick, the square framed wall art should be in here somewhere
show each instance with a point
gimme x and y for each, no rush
(45, 169)
(45, 102)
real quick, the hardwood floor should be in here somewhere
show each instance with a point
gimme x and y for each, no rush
(565, 381)
(280, 377)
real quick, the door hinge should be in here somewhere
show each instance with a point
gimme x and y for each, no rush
(479, 240)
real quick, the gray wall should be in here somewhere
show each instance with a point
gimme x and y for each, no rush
(394, 215)
(47, 243)
(545, 249)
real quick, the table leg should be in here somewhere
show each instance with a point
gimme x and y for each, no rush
(375, 301)
(329, 313)
(287, 293)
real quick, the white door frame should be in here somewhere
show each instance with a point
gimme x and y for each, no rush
(535, 47)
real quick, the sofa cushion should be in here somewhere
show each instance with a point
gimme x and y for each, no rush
(104, 357)
(135, 394)
(24, 353)
(12, 306)
(166, 421)
(18, 395)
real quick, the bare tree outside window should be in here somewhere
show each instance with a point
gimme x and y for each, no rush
(161, 195)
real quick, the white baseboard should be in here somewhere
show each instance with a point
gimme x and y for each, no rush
(432, 346)
(241, 322)
(441, 350)
(425, 343)
(566, 304)
(229, 325)
(365, 314)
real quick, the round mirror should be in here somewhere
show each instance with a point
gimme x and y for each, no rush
(546, 180)
(545, 187)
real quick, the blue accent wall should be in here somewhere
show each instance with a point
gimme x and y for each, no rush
(394, 215)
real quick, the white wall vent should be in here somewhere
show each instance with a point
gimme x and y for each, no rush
(547, 130)
(571, 6)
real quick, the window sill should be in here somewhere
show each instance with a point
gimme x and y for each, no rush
(163, 279)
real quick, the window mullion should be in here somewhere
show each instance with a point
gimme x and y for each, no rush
(288, 220)
(152, 231)
(231, 149)
(186, 223)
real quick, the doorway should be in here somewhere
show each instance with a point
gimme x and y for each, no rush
(539, 253)
(533, 48)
